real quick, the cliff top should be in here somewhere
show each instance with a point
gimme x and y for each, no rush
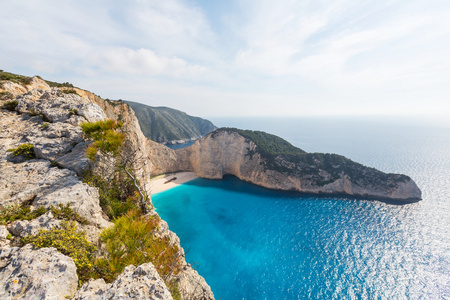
(269, 145)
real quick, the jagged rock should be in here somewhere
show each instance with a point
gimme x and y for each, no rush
(93, 290)
(82, 198)
(54, 140)
(13, 88)
(76, 120)
(193, 286)
(76, 159)
(3, 232)
(57, 106)
(37, 182)
(44, 273)
(91, 112)
(142, 282)
(24, 228)
(3, 236)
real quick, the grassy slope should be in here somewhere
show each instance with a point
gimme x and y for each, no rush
(163, 124)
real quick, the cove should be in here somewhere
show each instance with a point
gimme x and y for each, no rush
(252, 243)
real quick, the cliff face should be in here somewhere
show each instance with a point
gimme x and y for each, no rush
(228, 152)
(170, 126)
(42, 117)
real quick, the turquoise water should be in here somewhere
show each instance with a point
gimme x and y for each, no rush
(253, 243)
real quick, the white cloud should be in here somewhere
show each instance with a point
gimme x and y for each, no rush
(144, 61)
(262, 57)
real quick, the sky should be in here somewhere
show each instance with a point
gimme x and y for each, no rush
(240, 57)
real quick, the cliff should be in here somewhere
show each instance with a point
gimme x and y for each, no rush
(47, 173)
(169, 126)
(271, 162)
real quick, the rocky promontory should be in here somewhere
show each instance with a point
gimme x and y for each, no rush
(271, 162)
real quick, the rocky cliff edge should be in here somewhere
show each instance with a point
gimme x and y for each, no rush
(232, 152)
(49, 119)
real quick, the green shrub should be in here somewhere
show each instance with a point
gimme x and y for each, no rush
(64, 212)
(106, 138)
(17, 212)
(73, 111)
(69, 241)
(59, 85)
(6, 95)
(19, 79)
(55, 164)
(26, 150)
(10, 105)
(34, 113)
(117, 196)
(70, 91)
(132, 240)
(45, 125)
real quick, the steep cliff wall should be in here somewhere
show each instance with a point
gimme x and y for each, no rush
(49, 119)
(228, 152)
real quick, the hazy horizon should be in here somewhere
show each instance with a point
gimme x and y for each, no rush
(242, 57)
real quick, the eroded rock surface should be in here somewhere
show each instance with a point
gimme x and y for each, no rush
(44, 273)
(228, 152)
(138, 283)
(49, 119)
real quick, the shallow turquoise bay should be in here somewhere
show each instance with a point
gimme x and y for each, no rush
(252, 243)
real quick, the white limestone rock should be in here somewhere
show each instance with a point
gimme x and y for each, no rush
(138, 283)
(44, 273)
(76, 159)
(36, 181)
(57, 106)
(24, 228)
(54, 140)
(227, 152)
(4, 241)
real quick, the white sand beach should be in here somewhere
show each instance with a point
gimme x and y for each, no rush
(163, 182)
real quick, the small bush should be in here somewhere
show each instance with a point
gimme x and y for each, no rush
(55, 164)
(132, 241)
(64, 212)
(26, 150)
(19, 79)
(16, 212)
(10, 105)
(117, 196)
(34, 113)
(69, 241)
(45, 125)
(59, 85)
(70, 91)
(6, 95)
(73, 112)
(106, 138)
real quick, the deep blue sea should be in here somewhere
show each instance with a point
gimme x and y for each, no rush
(252, 243)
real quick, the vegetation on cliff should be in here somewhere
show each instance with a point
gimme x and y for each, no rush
(269, 145)
(19, 79)
(133, 239)
(25, 150)
(317, 168)
(163, 124)
(70, 241)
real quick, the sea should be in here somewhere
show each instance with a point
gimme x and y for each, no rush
(249, 242)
